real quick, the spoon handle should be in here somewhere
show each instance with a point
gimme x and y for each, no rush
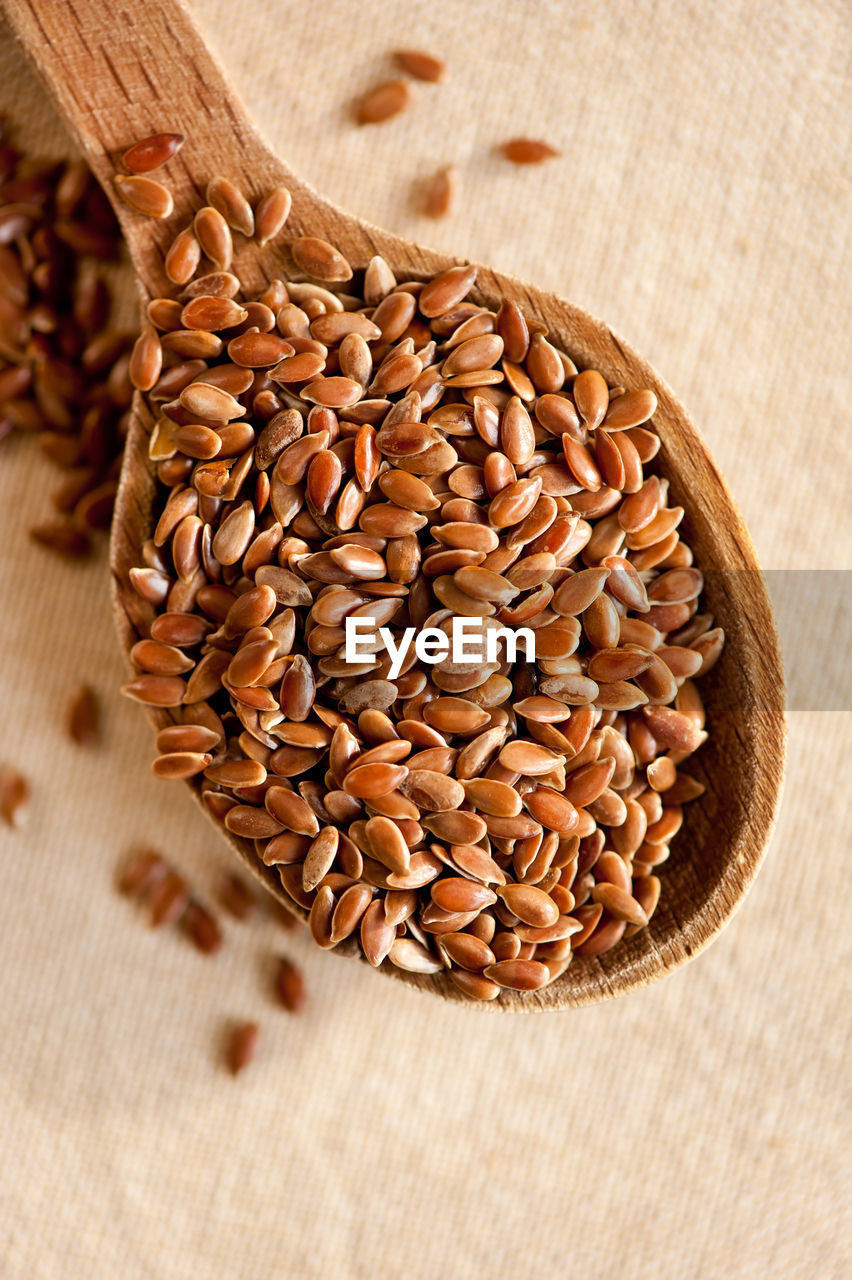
(120, 72)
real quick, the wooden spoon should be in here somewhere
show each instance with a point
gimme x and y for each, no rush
(121, 72)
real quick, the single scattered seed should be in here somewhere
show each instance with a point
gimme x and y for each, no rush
(141, 872)
(388, 843)
(630, 410)
(529, 758)
(84, 716)
(518, 975)
(145, 195)
(529, 904)
(591, 397)
(168, 899)
(146, 359)
(15, 794)
(230, 202)
(214, 236)
(528, 150)
(458, 827)
(177, 765)
(319, 259)
(197, 441)
(619, 903)
(423, 66)
(474, 985)
(349, 909)
(431, 790)
(441, 196)
(372, 781)
(150, 153)
(271, 214)
(290, 986)
(202, 928)
(407, 953)
(446, 290)
(292, 810)
(155, 691)
(210, 312)
(488, 795)
(468, 951)
(320, 857)
(384, 101)
(243, 1045)
(673, 729)
(63, 538)
(377, 934)
(183, 257)
(237, 898)
(211, 402)
(189, 737)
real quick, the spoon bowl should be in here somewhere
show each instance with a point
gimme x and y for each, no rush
(121, 75)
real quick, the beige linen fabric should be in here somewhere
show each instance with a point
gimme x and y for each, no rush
(697, 1128)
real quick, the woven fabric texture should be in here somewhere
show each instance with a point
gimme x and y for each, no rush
(699, 1127)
